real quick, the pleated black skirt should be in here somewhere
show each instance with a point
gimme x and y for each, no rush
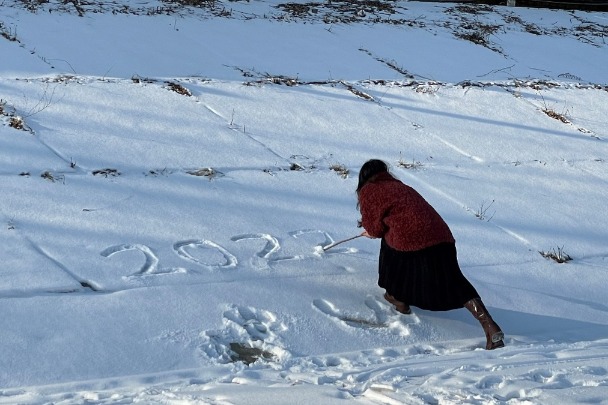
(429, 278)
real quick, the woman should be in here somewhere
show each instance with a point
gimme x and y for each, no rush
(418, 263)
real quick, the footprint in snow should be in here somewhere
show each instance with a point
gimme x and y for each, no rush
(259, 324)
(383, 316)
(249, 334)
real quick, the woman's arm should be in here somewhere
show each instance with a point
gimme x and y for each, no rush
(372, 211)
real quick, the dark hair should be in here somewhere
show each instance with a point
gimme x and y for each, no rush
(369, 169)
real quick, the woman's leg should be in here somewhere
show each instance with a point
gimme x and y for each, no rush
(494, 336)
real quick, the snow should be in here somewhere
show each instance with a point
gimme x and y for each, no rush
(166, 248)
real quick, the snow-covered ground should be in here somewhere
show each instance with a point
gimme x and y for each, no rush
(168, 177)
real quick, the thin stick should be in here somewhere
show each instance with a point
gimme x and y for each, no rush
(331, 245)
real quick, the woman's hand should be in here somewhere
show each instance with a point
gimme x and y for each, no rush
(367, 235)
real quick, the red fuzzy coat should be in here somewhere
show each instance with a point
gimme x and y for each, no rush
(397, 213)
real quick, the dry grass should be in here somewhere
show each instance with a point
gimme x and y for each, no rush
(555, 115)
(482, 212)
(208, 172)
(106, 172)
(558, 256)
(341, 170)
(7, 33)
(296, 167)
(47, 175)
(413, 165)
(179, 89)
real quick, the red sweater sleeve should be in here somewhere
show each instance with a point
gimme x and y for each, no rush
(399, 214)
(372, 211)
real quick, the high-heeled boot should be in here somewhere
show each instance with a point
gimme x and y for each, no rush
(494, 336)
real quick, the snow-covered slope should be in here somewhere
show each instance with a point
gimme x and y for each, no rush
(168, 176)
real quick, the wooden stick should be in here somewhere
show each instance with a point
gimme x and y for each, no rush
(331, 245)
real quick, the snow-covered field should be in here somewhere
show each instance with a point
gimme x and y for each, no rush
(169, 174)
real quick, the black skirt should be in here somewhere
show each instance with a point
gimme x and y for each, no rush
(429, 278)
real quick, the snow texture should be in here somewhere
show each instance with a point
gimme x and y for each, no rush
(170, 175)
